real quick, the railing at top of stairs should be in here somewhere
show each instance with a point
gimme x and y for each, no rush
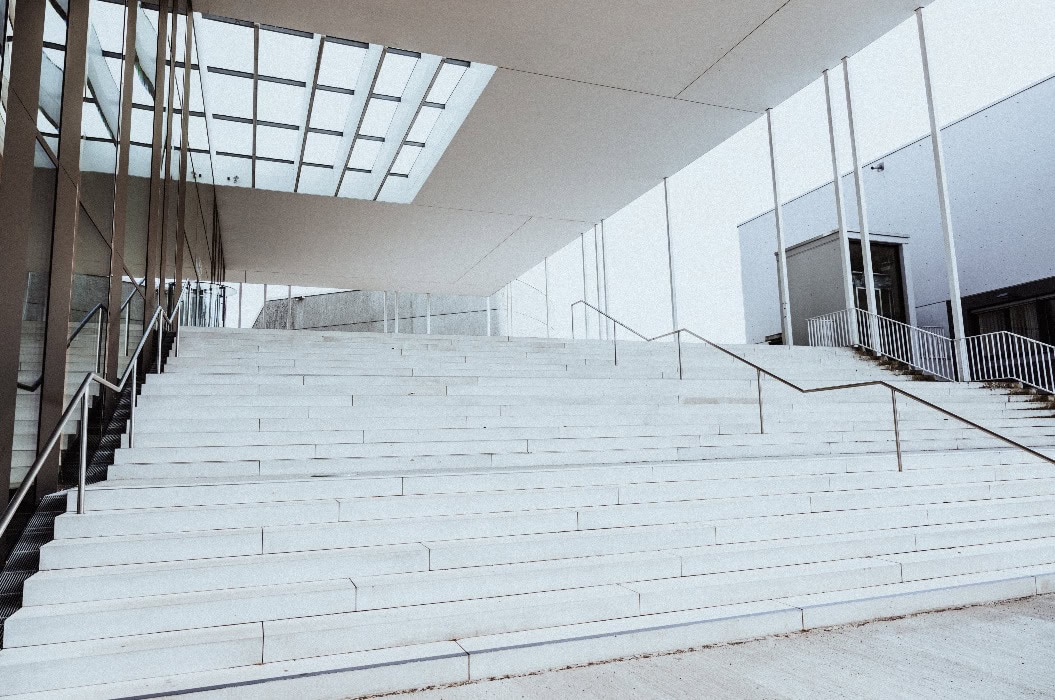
(895, 391)
(992, 357)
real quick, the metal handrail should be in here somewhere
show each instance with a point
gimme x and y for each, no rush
(158, 319)
(894, 390)
(1007, 356)
(98, 308)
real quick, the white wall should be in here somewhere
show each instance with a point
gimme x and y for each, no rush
(1001, 171)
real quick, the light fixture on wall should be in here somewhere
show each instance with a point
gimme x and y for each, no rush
(879, 167)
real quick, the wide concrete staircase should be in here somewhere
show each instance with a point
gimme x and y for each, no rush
(328, 515)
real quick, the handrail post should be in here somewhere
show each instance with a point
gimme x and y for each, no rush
(158, 363)
(897, 429)
(677, 339)
(82, 470)
(99, 344)
(761, 420)
(132, 405)
(615, 344)
(572, 321)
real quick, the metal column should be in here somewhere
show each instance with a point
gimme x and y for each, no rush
(670, 258)
(782, 259)
(609, 326)
(384, 311)
(395, 312)
(488, 316)
(597, 279)
(585, 311)
(240, 297)
(946, 213)
(862, 215)
(428, 314)
(289, 307)
(840, 208)
(545, 283)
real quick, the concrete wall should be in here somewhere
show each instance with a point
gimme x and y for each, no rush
(1001, 168)
(362, 311)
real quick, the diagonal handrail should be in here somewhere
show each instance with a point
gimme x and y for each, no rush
(97, 309)
(158, 319)
(895, 391)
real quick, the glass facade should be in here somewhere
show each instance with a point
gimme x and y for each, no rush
(113, 213)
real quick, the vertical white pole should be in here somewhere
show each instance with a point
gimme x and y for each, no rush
(782, 259)
(597, 278)
(488, 316)
(509, 304)
(545, 272)
(585, 314)
(428, 314)
(263, 309)
(240, 297)
(946, 212)
(395, 311)
(670, 258)
(862, 216)
(384, 311)
(289, 307)
(840, 208)
(608, 324)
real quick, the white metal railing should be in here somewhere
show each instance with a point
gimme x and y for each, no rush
(1004, 356)
(920, 349)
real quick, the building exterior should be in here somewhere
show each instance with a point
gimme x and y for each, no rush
(1000, 173)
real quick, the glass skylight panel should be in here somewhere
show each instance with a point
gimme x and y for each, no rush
(54, 26)
(404, 162)
(353, 184)
(330, 110)
(229, 45)
(197, 101)
(376, 101)
(278, 102)
(140, 93)
(446, 81)
(142, 126)
(230, 95)
(315, 180)
(233, 171)
(364, 154)
(286, 55)
(341, 64)
(273, 176)
(108, 20)
(379, 115)
(272, 142)
(395, 73)
(321, 148)
(116, 66)
(198, 133)
(92, 124)
(232, 137)
(423, 124)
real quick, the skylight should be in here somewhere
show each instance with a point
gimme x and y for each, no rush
(299, 112)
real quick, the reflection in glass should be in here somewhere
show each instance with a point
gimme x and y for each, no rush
(34, 314)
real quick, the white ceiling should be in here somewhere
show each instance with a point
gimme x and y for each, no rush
(593, 104)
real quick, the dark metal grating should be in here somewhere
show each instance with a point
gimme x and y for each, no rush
(39, 526)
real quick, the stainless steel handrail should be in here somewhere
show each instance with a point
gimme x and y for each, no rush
(98, 308)
(80, 396)
(894, 390)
